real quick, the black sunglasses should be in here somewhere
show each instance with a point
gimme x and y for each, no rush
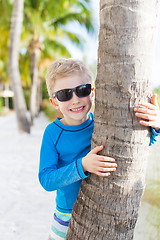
(66, 94)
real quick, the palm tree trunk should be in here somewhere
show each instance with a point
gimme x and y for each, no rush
(34, 48)
(34, 84)
(107, 208)
(39, 95)
(13, 67)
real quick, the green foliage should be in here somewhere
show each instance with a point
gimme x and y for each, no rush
(47, 107)
(44, 21)
(50, 111)
(5, 16)
(1, 105)
(24, 67)
(26, 92)
(152, 193)
(152, 196)
(54, 48)
(44, 91)
(157, 90)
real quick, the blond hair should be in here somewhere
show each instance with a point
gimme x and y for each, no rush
(63, 68)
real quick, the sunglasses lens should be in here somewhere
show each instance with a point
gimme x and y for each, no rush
(83, 90)
(64, 95)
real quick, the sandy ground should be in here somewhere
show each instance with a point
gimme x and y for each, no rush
(148, 224)
(25, 208)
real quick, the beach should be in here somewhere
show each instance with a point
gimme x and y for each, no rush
(25, 207)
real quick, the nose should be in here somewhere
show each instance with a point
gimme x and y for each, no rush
(75, 99)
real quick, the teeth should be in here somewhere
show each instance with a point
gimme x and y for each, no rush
(76, 109)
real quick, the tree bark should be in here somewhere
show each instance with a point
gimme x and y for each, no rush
(107, 208)
(39, 95)
(34, 48)
(34, 84)
(13, 66)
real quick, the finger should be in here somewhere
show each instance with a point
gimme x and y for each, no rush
(96, 149)
(100, 169)
(105, 159)
(103, 174)
(145, 123)
(148, 124)
(148, 105)
(107, 165)
(145, 110)
(154, 100)
(145, 116)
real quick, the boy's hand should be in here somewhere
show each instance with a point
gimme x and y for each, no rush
(149, 112)
(98, 164)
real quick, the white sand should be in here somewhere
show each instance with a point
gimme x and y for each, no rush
(25, 208)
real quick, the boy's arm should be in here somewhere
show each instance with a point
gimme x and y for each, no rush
(150, 116)
(51, 177)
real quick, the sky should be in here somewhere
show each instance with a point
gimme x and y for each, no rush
(91, 41)
(91, 45)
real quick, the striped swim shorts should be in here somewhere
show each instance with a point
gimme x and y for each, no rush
(60, 225)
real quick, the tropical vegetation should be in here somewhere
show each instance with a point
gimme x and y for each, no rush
(157, 90)
(44, 38)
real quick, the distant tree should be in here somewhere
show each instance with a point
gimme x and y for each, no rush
(45, 29)
(13, 66)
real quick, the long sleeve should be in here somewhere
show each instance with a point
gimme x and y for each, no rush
(50, 176)
(154, 136)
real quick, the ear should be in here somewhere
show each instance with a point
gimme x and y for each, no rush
(54, 102)
(92, 93)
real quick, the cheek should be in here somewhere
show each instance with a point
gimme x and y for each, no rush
(63, 106)
(88, 101)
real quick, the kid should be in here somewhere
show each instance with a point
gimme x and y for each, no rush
(65, 157)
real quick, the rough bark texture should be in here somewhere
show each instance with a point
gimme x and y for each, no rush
(13, 66)
(107, 208)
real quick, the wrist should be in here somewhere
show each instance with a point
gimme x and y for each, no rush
(83, 164)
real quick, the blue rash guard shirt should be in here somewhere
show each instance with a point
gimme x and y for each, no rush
(62, 150)
(154, 135)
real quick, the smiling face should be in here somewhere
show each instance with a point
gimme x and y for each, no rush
(75, 111)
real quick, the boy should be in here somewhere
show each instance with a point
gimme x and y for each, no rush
(65, 157)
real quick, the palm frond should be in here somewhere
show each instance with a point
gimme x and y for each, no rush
(34, 4)
(82, 19)
(75, 38)
(50, 8)
(54, 49)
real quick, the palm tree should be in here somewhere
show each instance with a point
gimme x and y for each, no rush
(13, 66)
(5, 15)
(45, 23)
(107, 208)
